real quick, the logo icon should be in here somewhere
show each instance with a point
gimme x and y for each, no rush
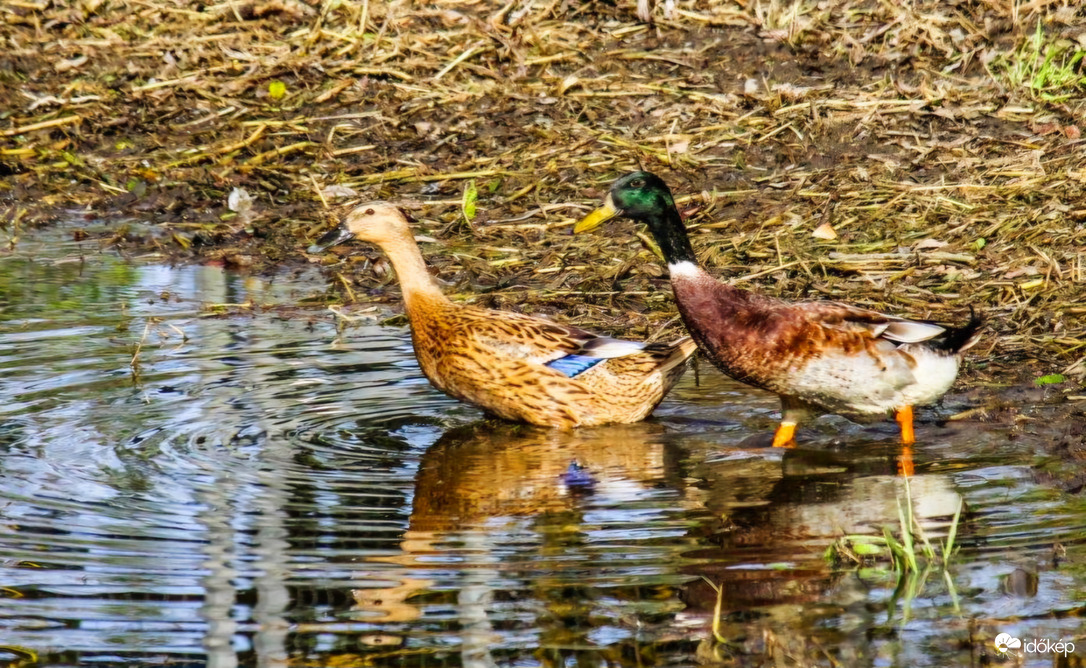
(1005, 642)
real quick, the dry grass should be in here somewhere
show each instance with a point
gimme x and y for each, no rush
(915, 131)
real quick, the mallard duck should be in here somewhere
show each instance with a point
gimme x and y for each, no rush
(816, 356)
(515, 366)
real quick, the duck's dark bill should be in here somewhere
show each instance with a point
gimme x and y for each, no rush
(334, 237)
(597, 217)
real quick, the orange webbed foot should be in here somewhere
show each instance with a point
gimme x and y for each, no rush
(904, 417)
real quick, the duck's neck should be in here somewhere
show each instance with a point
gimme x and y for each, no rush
(670, 234)
(687, 277)
(420, 291)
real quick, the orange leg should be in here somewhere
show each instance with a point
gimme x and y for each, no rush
(785, 436)
(905, 464)
(904, 417)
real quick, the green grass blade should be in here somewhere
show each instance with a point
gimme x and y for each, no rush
(906, 538)
(929, 551)
(948, 547)
(897, 552)
(953, 592)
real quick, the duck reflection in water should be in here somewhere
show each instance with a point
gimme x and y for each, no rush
(529, 514)
(766, 555)
(489, 470)
(500, 501)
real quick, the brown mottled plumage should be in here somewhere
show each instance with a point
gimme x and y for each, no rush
(818, 356)
(516, 366)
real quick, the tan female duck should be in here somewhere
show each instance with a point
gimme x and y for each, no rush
(515, 366)
(817, 356)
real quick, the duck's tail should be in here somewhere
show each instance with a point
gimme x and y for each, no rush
(667, 356)
(956, 340)
(681, 351)
(685, 347)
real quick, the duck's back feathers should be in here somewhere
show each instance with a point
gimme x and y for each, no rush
(946, 338)
(655, 358)
(673, 354)
(604, 347)
(873, 323)
(593, 352)
(537, 339)
(625, 379)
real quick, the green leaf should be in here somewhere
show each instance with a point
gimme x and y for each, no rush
(866, 549)
(1050, 379)
(873, 572)
(467, 205)
(277, 89)
(830, 553)
(137, 187)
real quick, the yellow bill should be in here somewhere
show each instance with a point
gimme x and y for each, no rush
(597, 217)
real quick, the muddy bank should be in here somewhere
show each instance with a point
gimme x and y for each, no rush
(942, 165)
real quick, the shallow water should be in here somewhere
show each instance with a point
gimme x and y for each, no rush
(260, 489)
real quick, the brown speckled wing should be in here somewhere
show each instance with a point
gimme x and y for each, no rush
(524, 337)
(833, 314)
(891, 328)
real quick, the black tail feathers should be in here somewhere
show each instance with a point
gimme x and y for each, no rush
(959, 339)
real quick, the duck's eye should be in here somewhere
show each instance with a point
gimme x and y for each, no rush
(638, 183)
(369, 212)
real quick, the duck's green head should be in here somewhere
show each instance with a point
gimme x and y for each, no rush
(645, 197)
(642, 196)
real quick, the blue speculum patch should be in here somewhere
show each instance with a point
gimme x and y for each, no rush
(574, 365)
